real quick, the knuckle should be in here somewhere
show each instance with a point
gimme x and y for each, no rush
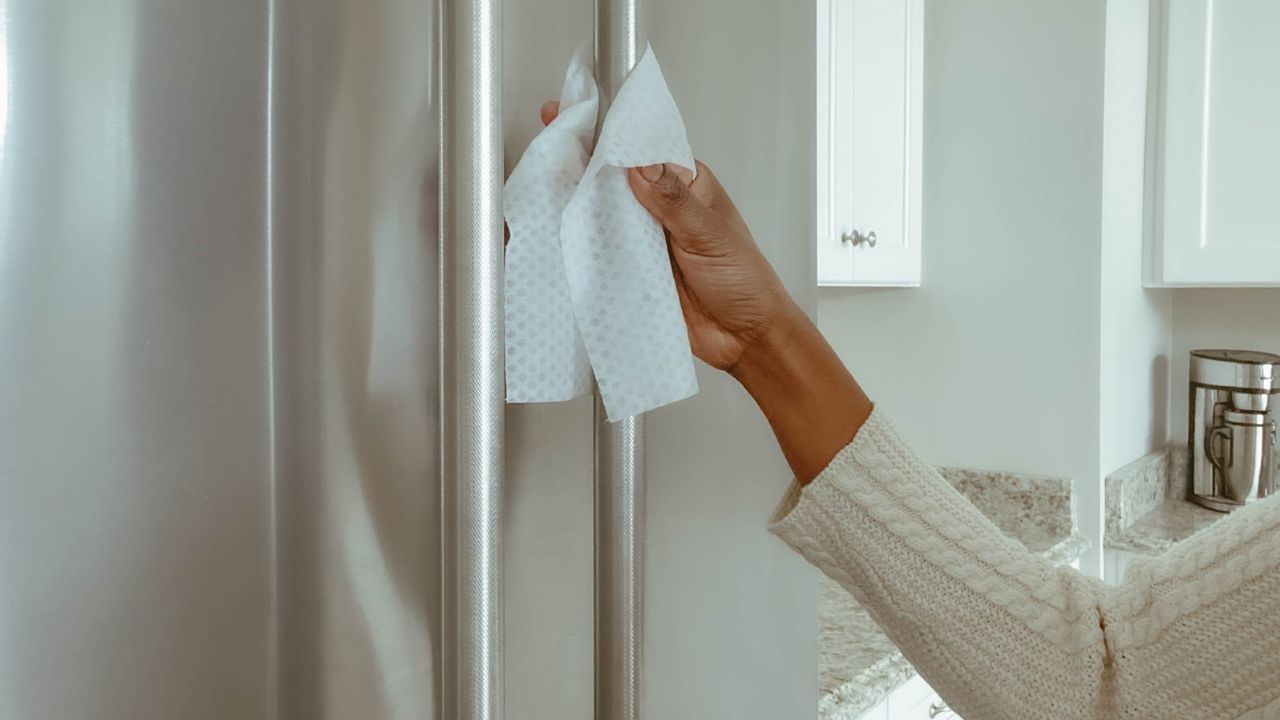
(676, 192)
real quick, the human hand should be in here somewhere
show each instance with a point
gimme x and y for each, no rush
(742, 320)
(731, 297)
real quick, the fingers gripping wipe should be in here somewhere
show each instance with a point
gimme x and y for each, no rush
(589, 283)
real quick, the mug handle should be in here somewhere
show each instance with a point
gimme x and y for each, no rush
(1209, 446)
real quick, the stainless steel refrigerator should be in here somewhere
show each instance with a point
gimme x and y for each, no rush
(219, 372)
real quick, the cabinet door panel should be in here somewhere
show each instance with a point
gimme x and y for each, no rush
(884, 162)
(915, 700)
(1221, 144)
(870, 126)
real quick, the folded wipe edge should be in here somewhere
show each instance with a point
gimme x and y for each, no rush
(546, 360)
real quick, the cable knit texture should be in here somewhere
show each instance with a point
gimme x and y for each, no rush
(1002, 634)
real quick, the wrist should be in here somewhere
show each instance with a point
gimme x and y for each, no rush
(812, 402)
(775, 349)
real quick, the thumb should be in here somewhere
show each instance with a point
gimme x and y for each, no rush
(694, 226)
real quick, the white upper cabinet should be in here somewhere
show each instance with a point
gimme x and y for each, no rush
(870, 90)
(1216, 149)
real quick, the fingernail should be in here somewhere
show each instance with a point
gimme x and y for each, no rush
(653, 173)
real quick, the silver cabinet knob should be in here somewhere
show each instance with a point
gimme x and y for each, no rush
(938, 708)
(856, 238)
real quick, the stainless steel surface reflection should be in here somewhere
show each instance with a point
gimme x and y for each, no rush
(217, 359)
(1231, 431)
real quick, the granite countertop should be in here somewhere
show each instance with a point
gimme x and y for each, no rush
(859, 666)
(1146, 510)
(1160, 528)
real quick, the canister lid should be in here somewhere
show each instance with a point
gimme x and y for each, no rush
(1244, 370)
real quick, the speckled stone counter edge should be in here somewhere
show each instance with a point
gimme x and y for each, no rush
(1151, 513)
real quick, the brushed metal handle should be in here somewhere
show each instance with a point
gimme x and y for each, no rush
(857, 238)
(938, 708)
(619, 469)
(472, 360)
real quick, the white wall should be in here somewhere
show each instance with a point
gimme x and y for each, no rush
(731, 613)
(1136, 323)
(994, 362)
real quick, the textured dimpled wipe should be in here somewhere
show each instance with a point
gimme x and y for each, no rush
(589, 289)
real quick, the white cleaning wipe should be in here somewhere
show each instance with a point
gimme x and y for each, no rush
(589, 288)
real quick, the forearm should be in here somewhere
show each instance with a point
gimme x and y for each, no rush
(813, 404)
(999, 632)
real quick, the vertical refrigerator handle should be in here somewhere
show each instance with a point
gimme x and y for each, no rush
(619, 449)
(472, 355)
(471, 335)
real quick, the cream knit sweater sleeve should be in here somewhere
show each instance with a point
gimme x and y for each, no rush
(1002, 634)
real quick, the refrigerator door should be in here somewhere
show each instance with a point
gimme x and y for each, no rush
(218, 372)
(217, 359)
